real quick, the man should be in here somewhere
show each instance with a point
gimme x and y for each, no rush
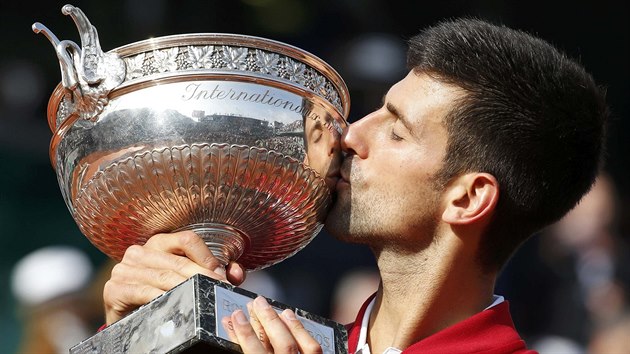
(492, 135)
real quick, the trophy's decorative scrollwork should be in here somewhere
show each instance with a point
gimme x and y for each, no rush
(234, 137)
(86, 72)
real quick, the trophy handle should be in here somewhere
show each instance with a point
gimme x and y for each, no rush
(226, 243)
(88, 73)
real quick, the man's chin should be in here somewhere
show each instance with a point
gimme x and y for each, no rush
(330, 225)
(338, 226)
(335, 223)
(338, 219)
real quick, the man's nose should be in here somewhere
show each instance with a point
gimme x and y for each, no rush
(354, 138)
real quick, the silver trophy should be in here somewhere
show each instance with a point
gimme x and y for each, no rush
(234, 137)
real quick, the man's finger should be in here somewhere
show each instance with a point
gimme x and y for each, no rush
(306, 343)
(160, 278)
(228, 325)
(279, 335)
(235, 273)
(120, 299)
(148, 257)
(245, 335)
(258, 328)
(189, 244)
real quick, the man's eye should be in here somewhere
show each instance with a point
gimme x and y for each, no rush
(316, 135)
(395, 136)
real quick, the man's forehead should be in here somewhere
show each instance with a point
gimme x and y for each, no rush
(419, 97)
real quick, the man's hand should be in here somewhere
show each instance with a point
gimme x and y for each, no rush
(165, 261)
(268, 332)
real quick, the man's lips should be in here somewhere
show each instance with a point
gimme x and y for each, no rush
(341, 183)
(331, 178)
(344, 177)
(331, 181)
(344, 171)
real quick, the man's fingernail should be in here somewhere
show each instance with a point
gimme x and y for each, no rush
(240, 317)
(250, 309)
(220, 270)
(289, 315)
(262, 303)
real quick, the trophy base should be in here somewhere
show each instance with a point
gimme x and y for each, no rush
(187, 319)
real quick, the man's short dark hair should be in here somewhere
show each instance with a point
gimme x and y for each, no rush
(531, 117)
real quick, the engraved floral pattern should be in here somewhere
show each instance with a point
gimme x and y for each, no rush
(165, 60)
(295, 71)
(235, 57)
(333, 96)
(200, 57)
(267, 62)
(134, 66)
(318, 84)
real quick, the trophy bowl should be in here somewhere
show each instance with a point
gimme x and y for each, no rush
(233, 137)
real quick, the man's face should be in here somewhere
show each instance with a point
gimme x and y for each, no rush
(387, 192)
(323, 149)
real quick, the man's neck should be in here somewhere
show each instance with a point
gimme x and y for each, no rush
(425, 292)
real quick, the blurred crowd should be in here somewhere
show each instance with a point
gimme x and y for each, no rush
(569, 286)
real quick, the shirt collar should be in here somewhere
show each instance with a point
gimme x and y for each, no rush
(364, 348)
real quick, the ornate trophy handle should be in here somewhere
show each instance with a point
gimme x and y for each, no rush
(87, 73)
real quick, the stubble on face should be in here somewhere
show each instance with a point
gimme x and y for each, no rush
(371, 216)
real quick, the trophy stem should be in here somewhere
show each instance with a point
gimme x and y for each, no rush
(226, 243)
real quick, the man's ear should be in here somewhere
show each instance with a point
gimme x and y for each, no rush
(471, 198)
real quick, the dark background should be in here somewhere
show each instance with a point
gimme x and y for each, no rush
(345, 33)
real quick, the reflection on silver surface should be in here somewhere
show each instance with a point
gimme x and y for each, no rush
(234, 137)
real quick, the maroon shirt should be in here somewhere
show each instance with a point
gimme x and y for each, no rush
(488, 332)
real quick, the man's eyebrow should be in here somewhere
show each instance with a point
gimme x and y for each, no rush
(395, 111)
